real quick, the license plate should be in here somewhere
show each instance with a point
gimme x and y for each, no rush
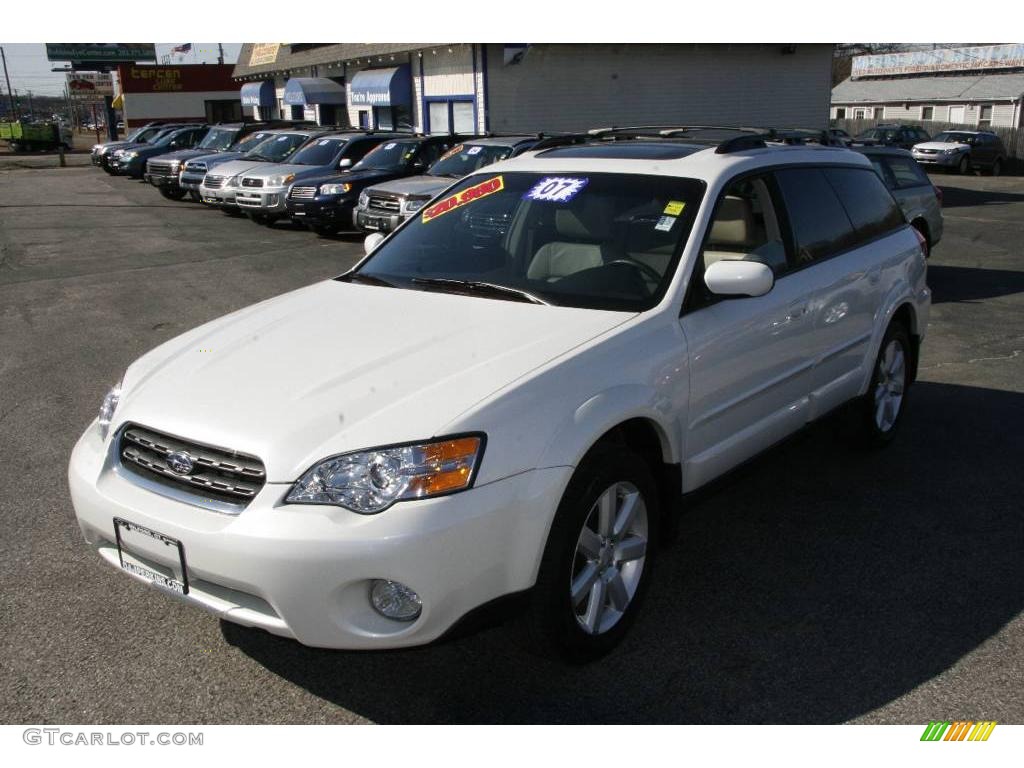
(211, 200)
(128, 534)
(298, 213)
(372, 223)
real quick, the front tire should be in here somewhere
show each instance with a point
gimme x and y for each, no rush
(879, 412)
(997, 167)
(172, 194)
(964, 167)
(598, 559)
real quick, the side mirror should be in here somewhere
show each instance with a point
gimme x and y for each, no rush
(345, 162)
(739, 278)
(372, 241)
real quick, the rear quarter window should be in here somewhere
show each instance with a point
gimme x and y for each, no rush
(906, 172)
(870, 206)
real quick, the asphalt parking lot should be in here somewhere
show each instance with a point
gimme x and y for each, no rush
(821, 585)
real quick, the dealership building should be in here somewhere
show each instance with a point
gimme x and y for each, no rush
(981, 87)
(204, 93)
(508, 87)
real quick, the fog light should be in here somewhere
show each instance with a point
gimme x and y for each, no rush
(395, 600)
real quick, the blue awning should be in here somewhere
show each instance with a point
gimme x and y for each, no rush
(382, 87)
(259, 94)
(300, 91)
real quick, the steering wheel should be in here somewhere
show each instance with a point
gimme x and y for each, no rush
(647, 269)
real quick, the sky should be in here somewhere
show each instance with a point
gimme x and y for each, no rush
(29, 69)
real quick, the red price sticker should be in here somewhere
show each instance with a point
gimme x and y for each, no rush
(465, 197)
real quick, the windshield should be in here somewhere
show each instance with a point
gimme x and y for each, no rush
(250, 142)
(157, 134)
(879, 134)
(320, 152)
(950, 137)
(601, 241)
(165, 139)
(218, 139)
(387, 156)
(277, 148)
(139, 134)
(463, 159)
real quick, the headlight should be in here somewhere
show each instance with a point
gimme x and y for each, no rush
(334, 189)
(107, 409)
(364, 200)
(371, 481)
(411, 206)
(952, 151)
(233, 182)
(129, 155)
(280, 181)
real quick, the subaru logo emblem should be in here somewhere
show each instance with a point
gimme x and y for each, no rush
(180, 462)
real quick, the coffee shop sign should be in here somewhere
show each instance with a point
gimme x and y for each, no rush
(163, 79)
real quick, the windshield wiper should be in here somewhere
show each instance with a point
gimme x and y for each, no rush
(480, 287)
(360, 277)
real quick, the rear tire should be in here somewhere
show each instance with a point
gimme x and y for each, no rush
(997, 167)
(598, 559)
(878, 413)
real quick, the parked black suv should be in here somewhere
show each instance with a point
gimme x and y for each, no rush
(325, 203)
(902, 136)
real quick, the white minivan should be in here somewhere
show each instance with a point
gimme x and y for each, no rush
(512, 394)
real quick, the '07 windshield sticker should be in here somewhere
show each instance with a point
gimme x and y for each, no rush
(556, 189)
(465, 197)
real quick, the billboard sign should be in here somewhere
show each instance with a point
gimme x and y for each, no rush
(90, 85)
(101, 52)
(980, 57)
(263, 53)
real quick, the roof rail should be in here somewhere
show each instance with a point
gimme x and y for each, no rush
(747, 137)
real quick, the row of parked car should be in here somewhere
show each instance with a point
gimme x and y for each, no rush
(961, 151)
(332, 179)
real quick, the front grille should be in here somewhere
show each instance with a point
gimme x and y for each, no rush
(195, 167)
(218, 473)
(928, 151)
(380, 203)
(252, 182)
(160, 169)
(302, 193)
(214, 182)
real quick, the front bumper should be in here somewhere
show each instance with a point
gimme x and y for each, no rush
(323, 210)
(191, 181)
(373, 221)
(304, 571)
(131, 167)
(942, 160)
(262, 200)
(222, 196)
(159, 180)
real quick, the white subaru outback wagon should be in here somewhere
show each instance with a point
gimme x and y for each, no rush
(512, 393)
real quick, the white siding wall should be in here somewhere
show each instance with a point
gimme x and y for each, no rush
(579, 86)
(448, 73)
(1002, 113)
(165, 105)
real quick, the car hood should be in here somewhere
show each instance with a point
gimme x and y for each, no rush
(235, 167)
(940, 145)
(185, 154)
(415, 186)
(337, 367)
(217, 158)
(266, 170)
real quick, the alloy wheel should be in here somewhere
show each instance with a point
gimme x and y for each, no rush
(890, 385)
(609, 560)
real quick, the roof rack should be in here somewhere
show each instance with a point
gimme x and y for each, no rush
(747, 138)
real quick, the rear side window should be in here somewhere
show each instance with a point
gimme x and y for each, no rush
(871, 208)
(906, 172)
(819, 224)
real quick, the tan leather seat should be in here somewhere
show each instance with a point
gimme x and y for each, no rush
(582, 233)
(731, 231)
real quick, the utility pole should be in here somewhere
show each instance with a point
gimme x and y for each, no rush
(220, 53)
(31, 111)
(10, 93)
